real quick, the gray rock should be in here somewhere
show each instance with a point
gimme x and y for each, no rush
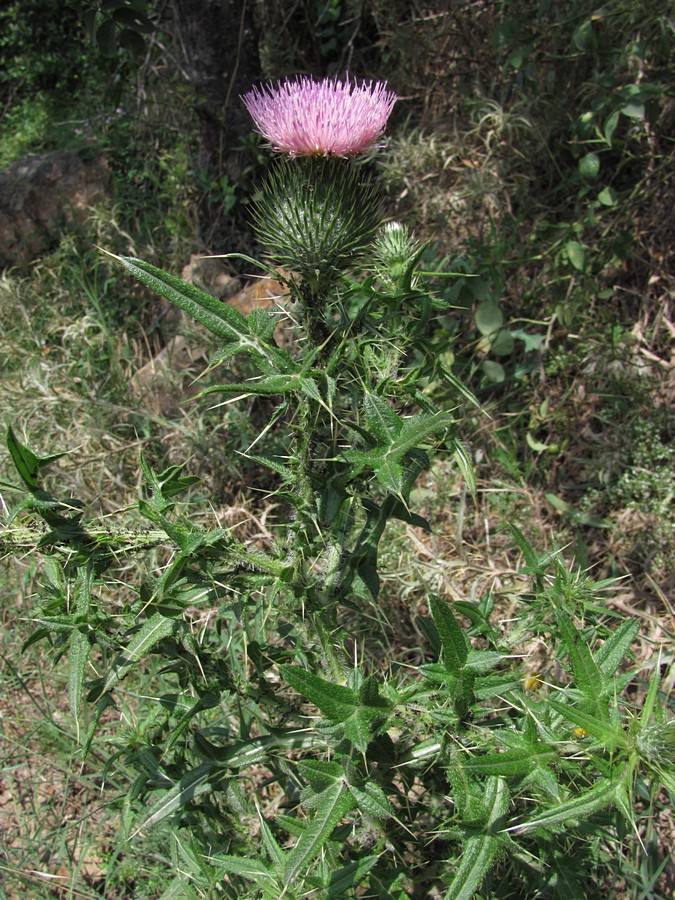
(40, 196)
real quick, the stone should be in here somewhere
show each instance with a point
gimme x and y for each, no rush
(41, 196)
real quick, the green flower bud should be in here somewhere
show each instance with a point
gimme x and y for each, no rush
(396, 252)
(656, 743)
(316, 216)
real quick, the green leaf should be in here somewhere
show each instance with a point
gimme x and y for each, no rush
(372, 800)
(649, 706)
(359, 712)
(169, 483)
(480, 851)
(610, 655)
(611, 736)
(382, 421)
(576, 255)
(320, 773)
(179, 888)
(610, 124)
(455, 648)
(600, 796)
(587, 675)
(589, 166)
(103, 703)
(510, 763)
(608, 197)
(457, 384)
(273, 384)
(131, 40)
(493, 371)
(336, 700)
(345, 879)
(27, 463)
(489, 317)
(153, 631)
(634, 109)
(79, 644)
(222, 320)
(335, 803)
(106, 38)
(386, 461)
(273, 849)
(242, 754)
(244, 866)
(192, 785)
(534, 564)
(464, 462)
(584, 37)
(496, 684)
(503, 343)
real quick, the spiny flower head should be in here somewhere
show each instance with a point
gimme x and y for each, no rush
(396, 253)
(316, 216)
(321, 118)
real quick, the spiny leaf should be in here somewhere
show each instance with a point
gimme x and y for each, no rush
(187, 789)
(601, 795)
(27, 463)
(511, 763)
(155, 629)
(534, 564)
(372, 800)
(79, 644)
(382, 421)
(611, 736)
(244, 866)
(335, 700)
(479, 851)
(273, 384)
(224, 321)
(345, 879)
(336, 802)
(587, 674)
(255, 750)
(455, 648)
(609, 656)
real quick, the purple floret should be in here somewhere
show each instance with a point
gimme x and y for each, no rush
(321, 118)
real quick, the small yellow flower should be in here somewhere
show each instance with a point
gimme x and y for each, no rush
(532, 681)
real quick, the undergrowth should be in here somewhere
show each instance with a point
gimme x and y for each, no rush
(555, 216)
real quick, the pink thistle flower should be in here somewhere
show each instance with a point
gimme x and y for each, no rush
(321, 118)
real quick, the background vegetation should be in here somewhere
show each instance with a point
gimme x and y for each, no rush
(532, 145)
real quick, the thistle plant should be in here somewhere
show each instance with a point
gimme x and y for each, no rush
(391, 782)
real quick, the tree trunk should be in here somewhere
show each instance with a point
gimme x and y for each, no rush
(220, 48)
